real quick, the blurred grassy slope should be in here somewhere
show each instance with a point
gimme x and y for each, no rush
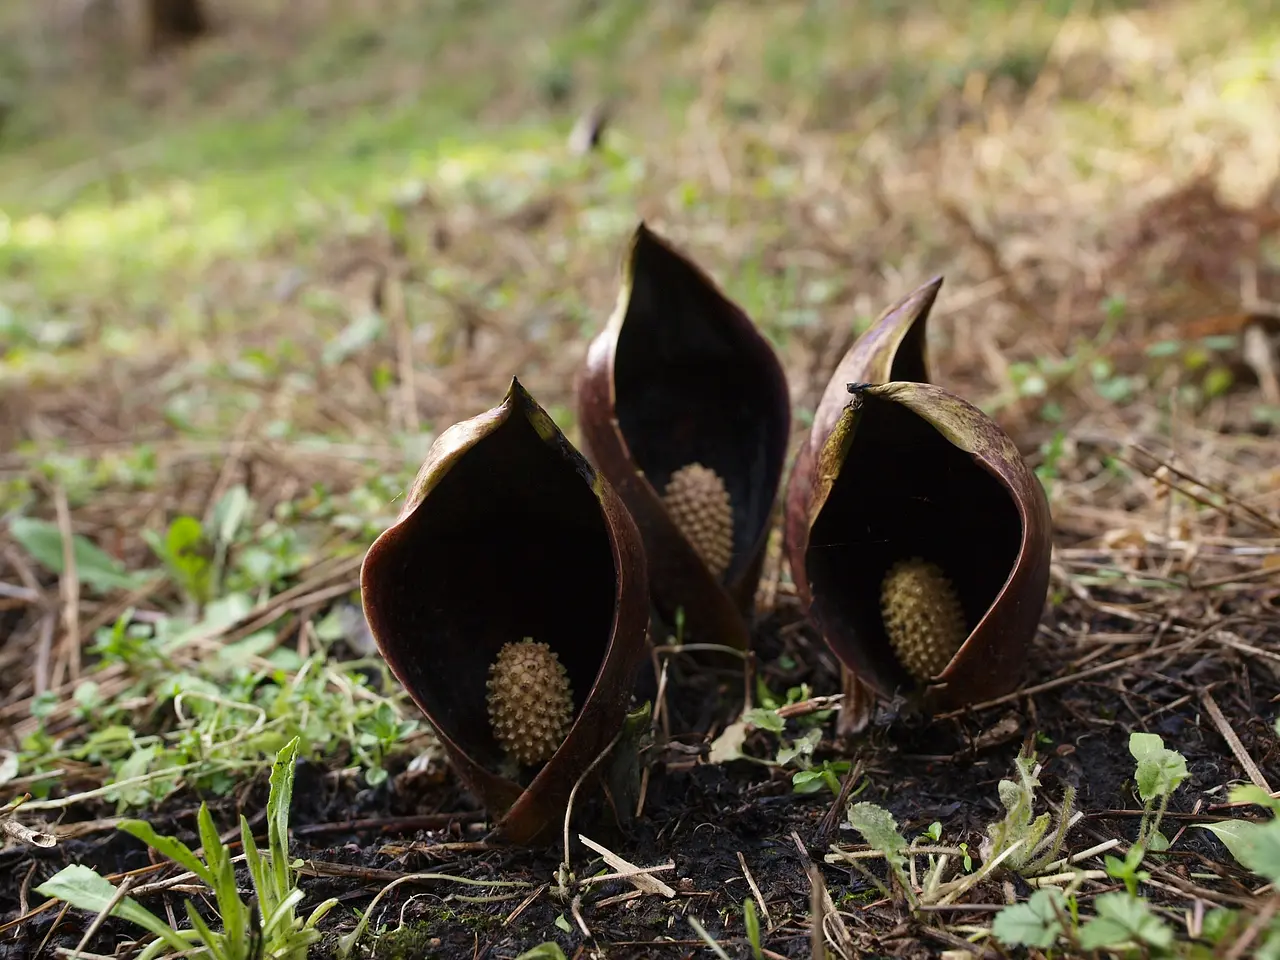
(145, 212)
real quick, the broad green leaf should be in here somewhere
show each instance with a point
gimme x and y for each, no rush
(544, 951)
(138, 763)
(85, 889)
(1251, 793)
(1255, 845)
(1121, 919)
(171, 847)
(1142, 745)
(94, 568)
(8, 766)
(1221, 922)
(1035, 923)
(1270, 949)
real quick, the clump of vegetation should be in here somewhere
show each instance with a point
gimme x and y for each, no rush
(265, 928)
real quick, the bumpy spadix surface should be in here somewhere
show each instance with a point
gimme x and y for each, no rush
(922, 616)
(530, 702)
(699, 505)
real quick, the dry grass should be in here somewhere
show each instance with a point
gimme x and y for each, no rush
(1101, 191)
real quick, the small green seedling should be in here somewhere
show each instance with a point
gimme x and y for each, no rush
(267, 928)
(792, 752)
(1019, 840)
(1159, 772)
(1123, 921)
(752, 924)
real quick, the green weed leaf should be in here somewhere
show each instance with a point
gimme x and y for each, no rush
(1018, 798)
(215, 942)
(186, 552)
(278, 801)
(1251, 793)
(230, 513)
(85, 889)
(171, 847)
(1127, 869)
(763, 719)
(807, 781)
(1124, 919)
(801, 748)
(1256, 846)
(879, 829)
(1159, 770)
(1036, 923)
(752, 924)
(94, 568)
(544, 951)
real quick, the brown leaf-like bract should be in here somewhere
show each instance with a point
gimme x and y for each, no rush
(507, 533)
(680, 375)
(907, 470)
(892, 348)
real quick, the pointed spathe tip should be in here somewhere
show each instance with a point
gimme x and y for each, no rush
(517, 393)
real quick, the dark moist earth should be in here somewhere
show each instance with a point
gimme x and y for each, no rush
(702, 816)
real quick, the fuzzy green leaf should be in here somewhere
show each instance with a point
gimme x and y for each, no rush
(879, 829)
(1159, 770)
